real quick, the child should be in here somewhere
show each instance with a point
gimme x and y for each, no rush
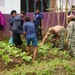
(13, 14)
(29, 31)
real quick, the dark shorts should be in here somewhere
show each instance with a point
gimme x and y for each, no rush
(32, 39)
(17, 39)
(1, 27)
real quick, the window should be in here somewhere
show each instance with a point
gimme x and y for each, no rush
(23, 5)
(31, 5)
(45, 5)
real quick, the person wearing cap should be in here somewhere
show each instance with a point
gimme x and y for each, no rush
(57, 33)
(71, 35)
(39, 23)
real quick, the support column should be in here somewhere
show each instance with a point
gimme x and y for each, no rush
(52, 4)
(41, 5)
(34, 5)
(27, 5)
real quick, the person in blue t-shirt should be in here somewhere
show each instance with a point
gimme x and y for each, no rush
(38, 21)
(30, 34)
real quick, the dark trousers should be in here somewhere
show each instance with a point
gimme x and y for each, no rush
(38, 32)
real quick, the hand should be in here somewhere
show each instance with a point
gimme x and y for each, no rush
(52, 40)
(40, 44)
(10, 32)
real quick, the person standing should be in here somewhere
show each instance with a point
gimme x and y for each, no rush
(30, 34)
(17, 28)
(39, 23)
(71, 35)
(13, 14)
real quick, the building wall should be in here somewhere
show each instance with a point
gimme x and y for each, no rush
(47, 23)
(7, 5)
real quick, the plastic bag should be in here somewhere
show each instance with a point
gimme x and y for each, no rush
(11, 40)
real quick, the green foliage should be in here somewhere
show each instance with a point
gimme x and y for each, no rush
(44, 48)
(59, 62)
(44, 68)
(6, 58)
(9, 50)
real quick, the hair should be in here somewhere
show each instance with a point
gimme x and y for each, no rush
(13, 11)
(73, 6)
(52, 31)
(38, 8)
(23, 12)
(73, 19)
(27, 19)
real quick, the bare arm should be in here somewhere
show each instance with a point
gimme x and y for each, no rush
(48, 33)
(55, 39)
(42, 23)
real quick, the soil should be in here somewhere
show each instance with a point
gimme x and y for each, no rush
(19, 61)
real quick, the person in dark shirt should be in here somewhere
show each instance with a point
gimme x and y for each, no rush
(13, 14)
(17, 28)
(29, 31)
(38, 21)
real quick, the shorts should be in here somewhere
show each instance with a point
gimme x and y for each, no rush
(32, 39)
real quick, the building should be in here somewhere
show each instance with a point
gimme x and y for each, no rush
(25, 5)
(30, 5)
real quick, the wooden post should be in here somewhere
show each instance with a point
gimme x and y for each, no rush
(52, 4)
(66, 10)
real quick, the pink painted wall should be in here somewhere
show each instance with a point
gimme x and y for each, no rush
(46, 15)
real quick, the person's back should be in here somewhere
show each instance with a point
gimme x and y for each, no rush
(58, 28)
(29, 31)
(29, 28)
(18, 22)
(17, 25)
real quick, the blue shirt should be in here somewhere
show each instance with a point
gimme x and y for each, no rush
(29, 28)
(37, 18)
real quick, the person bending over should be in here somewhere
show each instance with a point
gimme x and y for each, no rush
(56, 33)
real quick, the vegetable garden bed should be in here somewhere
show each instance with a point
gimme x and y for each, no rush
(50, 61)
